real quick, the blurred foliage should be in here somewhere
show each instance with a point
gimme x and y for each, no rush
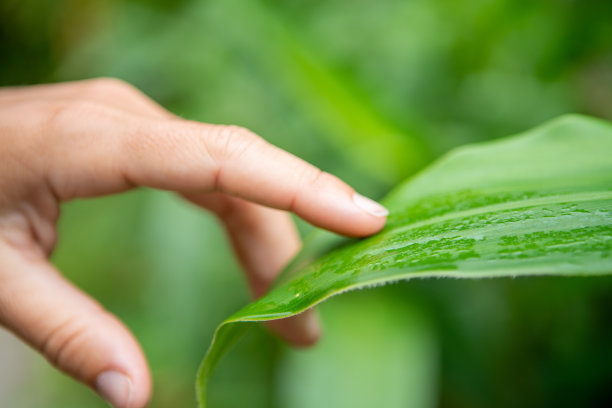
(370, 91)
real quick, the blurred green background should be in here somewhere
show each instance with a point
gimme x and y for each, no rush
(370, 91)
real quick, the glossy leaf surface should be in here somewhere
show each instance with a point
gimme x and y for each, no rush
(539, 203)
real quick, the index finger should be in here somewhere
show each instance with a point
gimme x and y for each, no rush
(188, 156)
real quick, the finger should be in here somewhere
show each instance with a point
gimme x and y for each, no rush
(264, 240)
(107, 91)
(119, 94)
(187, 156)
(71, 330)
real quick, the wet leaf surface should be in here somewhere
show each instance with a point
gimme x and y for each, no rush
(539, 203)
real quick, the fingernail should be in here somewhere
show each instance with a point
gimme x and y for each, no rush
(370, 206)
(116, 388)
(309, 328)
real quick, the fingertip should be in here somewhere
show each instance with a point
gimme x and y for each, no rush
(303, 330)
(138, 380)
(115, 388)
(123, 390)
(341, 210)
(375, 212)
(370, 206)
(123, 378)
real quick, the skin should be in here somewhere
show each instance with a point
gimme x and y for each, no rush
(99, 137)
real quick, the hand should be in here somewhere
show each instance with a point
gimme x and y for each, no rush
(99, 137)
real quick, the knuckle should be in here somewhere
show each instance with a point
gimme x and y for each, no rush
(107, 86)
(310, 178)
(63, 116)
(230, 141)
(145, 139)
(240, 133)
(314, 177)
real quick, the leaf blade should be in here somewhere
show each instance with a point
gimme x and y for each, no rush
(539, 203)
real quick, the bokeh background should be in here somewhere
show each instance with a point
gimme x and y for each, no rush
(371, 91)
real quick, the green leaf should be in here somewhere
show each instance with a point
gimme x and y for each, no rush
(539, 203)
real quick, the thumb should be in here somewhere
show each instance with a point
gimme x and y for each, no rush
(71, 330)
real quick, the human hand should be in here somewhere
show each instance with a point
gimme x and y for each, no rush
(99, 137)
